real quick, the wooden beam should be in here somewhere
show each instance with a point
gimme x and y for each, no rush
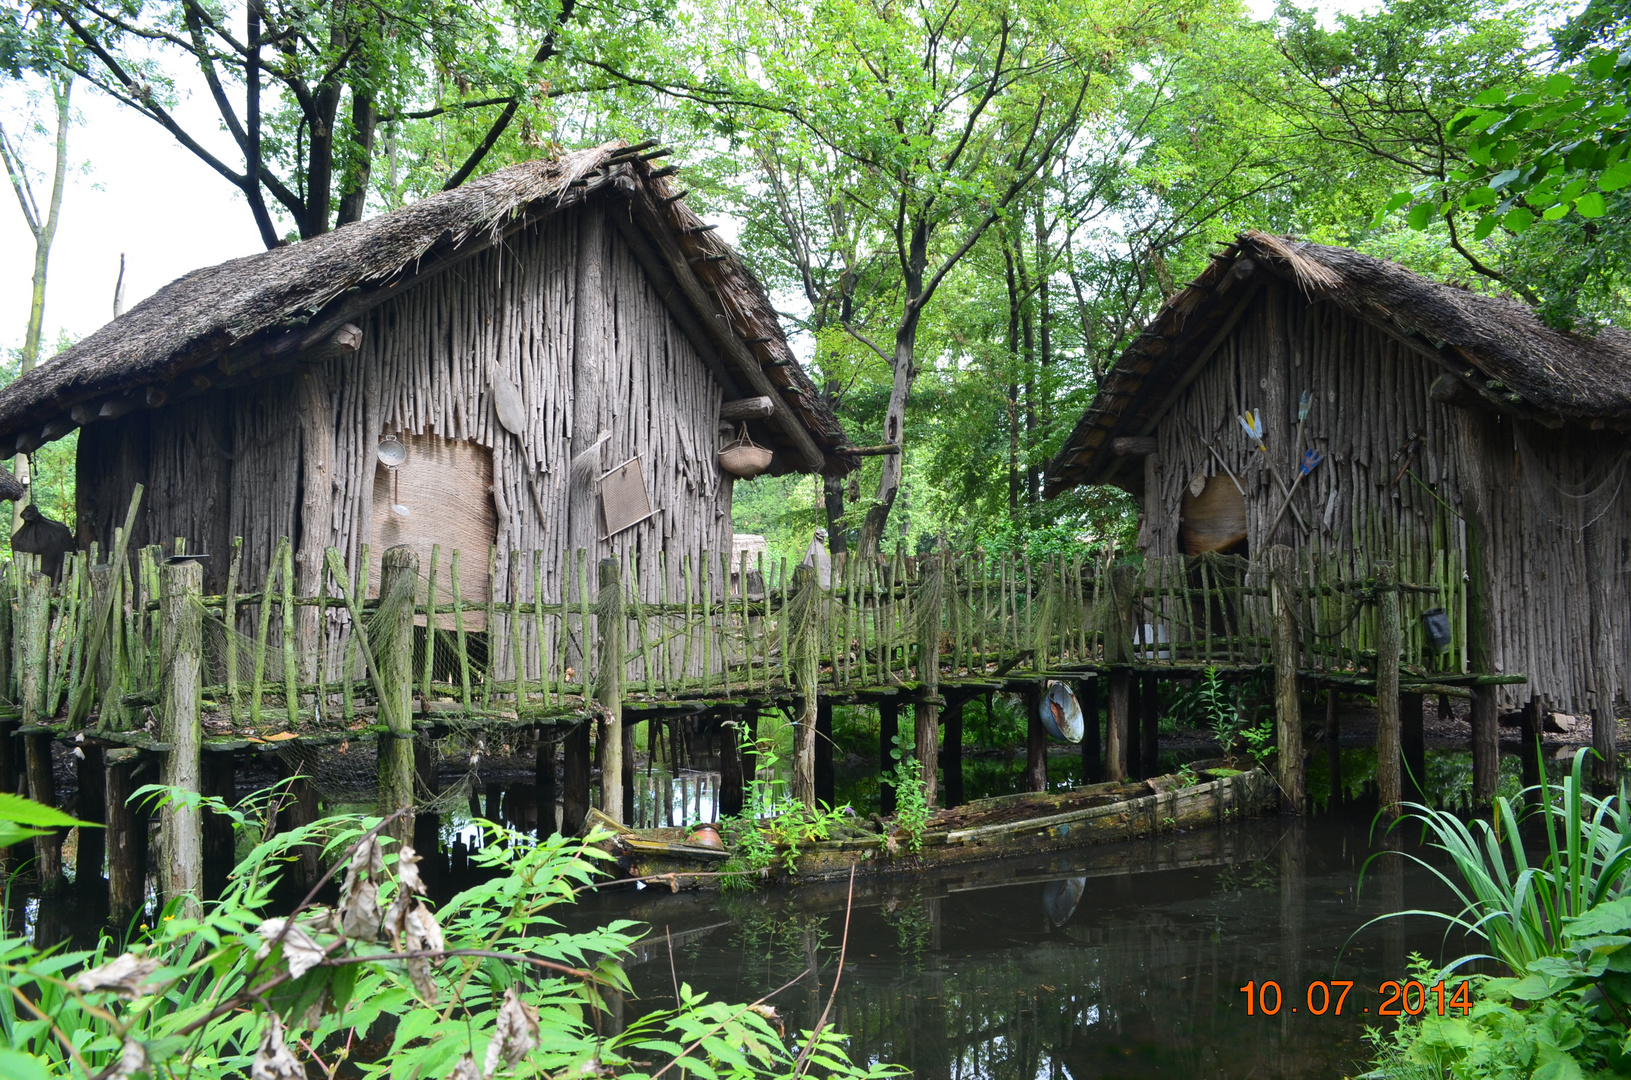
(753, 408)
(1134, 445)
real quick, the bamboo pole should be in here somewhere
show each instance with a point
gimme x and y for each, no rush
(461, 641)
(612, 630)
(291, 645)
(807, 667)
(399, 576)
(1387, 691)
(1287, 700)
(181, 824)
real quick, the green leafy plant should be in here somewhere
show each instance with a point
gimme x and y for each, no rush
(237, 992)
(23, 819)
(911, 803)
(1217, 706)
(1259, 740)
(1561, 925)
(773, 827)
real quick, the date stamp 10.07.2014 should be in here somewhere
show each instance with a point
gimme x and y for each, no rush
(1330, 998)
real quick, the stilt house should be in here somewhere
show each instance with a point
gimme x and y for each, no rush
(1457, 436)
(547, 359)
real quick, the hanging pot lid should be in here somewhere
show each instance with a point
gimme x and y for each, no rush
(391, 453)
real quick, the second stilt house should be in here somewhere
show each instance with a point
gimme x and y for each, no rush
(1340, 404)
(557, 357)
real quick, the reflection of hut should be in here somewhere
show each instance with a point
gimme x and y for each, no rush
(552, 312)
(1464, 440)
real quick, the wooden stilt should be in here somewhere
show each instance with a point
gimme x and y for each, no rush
(1388, 790)
(393, 646)
(1087, 696)
(888, 729)
(1036, 741)
(1529, 741)
(1151, 731)
(42, 788)
(1333, 749)
(221, 782)
(1413, 744)
(1116, 727)
(1486, 745)
(1605, 740)
(300, 807)
(951, 754)
(1287, 652)
(612, 631)
(732, 785)
(181, 827)
(824, 777)
(543, 772)
(926, 710)
(127, 837)
(1135, 726)
(575, 798)
(626, 733)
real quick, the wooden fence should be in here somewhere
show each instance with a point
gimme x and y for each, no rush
(699, 628)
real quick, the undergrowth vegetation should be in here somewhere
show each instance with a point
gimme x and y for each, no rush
(1560, 925)
(487, 984)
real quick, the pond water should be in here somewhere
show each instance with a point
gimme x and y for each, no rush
(1109, 962)
(1125, 960)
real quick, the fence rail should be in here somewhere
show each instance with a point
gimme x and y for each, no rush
(703, 626)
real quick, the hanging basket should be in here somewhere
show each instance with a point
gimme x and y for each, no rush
(743, 457)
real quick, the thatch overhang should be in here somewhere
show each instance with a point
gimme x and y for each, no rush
(262, 315)
(1494, 352)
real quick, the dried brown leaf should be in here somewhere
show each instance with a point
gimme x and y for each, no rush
(299, 948)
(123, 975)
(274, 1061)
(515, 1036)
(465, 1069)
(132, 1061)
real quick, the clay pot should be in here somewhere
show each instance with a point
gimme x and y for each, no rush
(706, 836)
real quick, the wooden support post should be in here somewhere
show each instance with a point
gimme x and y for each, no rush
(1288, 706)
(1388, 789)
(951, 753)
(1115, 741)
(181, 828)
(90, 806)
(1486, 745)
(1333, 749)
(1087, 695)
(1529, 740)
(1135, 726)
(1413, 744)
(926, 709)
(12, 777)
(1036, 740)
(806, 671)
(127, 838)
(543, 775)
(732, 784)
(627, 756)
(575, 798)
(221, 782)
(299, 808)
(888, 729)
(1118, 650)
(1605, 763)
(42, 788)
(825, 781)
(33, 629)
(1151, 731)
(393, 645)
(612, 631)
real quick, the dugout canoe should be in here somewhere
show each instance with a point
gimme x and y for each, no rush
(1007, 826)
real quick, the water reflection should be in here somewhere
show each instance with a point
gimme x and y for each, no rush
(1123, 961)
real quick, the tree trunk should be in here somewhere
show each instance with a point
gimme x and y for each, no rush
(903, 364)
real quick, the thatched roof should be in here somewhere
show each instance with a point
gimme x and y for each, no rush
(1496, 348)
(250, 317)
